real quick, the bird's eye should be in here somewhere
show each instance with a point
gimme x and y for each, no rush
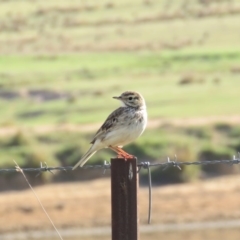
(130, 98)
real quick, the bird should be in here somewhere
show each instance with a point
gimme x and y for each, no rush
(121, 127)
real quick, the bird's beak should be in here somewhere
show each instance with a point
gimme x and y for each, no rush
(118, 98)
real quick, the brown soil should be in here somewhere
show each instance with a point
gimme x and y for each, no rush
(87, 204)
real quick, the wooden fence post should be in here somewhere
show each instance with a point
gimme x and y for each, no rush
(124, 191)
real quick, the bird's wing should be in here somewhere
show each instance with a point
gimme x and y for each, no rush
(109, 123)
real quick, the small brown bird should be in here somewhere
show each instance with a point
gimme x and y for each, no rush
(122, 126)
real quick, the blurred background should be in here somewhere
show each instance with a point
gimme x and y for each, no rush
(60, 64)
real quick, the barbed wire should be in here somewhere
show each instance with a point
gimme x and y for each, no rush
(145, 165)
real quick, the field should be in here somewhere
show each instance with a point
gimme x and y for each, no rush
(74, 206)
(60, 64)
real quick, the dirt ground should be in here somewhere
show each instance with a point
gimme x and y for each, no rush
(87, 204)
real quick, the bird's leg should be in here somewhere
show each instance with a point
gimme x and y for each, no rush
(121, 153)
(116, 150)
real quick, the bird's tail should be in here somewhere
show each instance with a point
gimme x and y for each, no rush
(84, 159)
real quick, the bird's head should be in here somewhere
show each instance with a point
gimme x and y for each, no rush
(131, 99)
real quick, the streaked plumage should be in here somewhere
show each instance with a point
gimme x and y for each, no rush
(122, 126)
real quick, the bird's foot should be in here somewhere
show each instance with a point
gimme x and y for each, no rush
(125, 156)
(121, 153)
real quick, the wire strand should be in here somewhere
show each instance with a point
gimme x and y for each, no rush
(45, 168)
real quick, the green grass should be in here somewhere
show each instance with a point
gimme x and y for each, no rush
(90, 82)
(207, 60)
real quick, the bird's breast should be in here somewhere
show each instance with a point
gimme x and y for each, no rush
(128, 129)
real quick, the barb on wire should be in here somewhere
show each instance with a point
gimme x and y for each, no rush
(45, 168)
(171, 164)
